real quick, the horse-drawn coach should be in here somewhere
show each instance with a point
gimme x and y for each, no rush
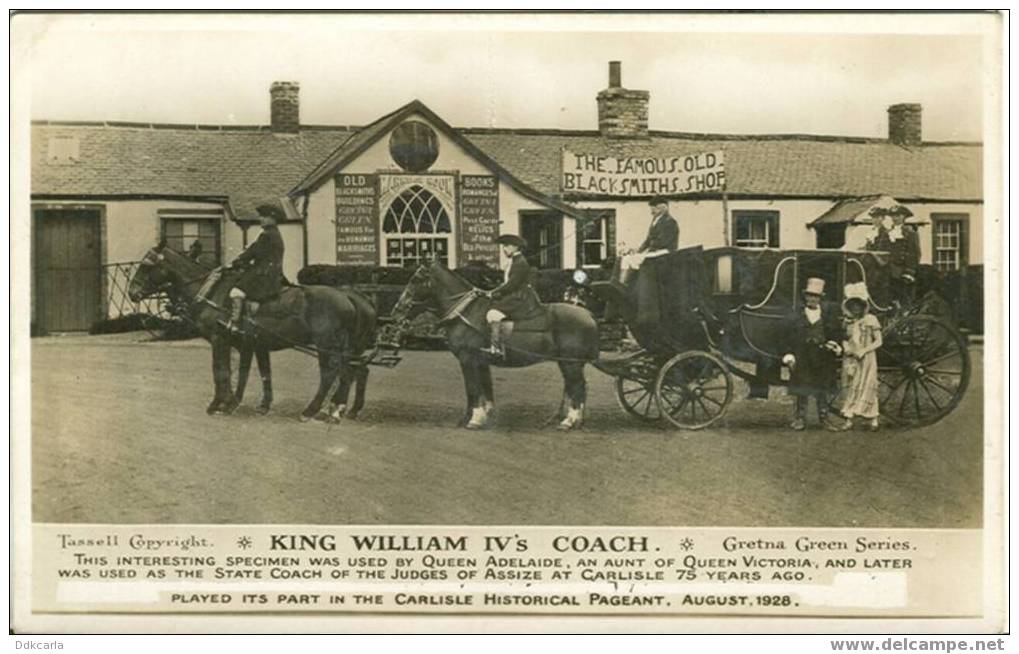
(705, 316)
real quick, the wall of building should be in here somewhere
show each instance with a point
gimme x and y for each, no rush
(857, 235)
(129, 228)
(132, 227)
(377, 159)
(320, 227)
(701, 222)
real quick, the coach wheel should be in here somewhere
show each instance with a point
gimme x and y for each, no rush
(635, 389)
(693, 390)
(923, 371)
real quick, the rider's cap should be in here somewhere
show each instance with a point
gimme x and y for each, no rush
(270, 210)
(658, 199)
(511, 239)
(815, 286)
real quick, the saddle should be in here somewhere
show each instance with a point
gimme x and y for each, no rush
(290, 302)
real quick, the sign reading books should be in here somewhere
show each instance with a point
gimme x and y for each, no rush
(479, 219)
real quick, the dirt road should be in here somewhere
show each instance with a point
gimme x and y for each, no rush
(120, 435)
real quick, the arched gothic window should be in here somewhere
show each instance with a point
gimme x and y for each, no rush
(416, 226)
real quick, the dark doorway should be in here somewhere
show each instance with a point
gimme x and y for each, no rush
(543, 232)
(68, 269)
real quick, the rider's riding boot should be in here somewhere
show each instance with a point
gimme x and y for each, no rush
(236, 309)
(497, 349)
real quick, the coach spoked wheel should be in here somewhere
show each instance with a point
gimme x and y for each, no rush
(923, 371)
(693, 389)
(635, 389)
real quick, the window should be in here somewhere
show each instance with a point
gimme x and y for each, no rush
(542, 231)
(596, 237)
(194, 233)
(755, 229)
(416, 227)
(949, 240)
(723, 274)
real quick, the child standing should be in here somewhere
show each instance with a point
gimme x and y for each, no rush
(859, 359)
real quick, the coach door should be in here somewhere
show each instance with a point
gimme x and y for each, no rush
(67, 267)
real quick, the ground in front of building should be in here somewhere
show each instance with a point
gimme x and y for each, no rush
(120, 435)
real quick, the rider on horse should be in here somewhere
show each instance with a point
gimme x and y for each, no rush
(515, 298)
(261, 265)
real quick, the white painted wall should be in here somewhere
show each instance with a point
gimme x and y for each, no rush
(321, 228)
(856, 236)
(376, 159)
(132, 227)
(702, 222)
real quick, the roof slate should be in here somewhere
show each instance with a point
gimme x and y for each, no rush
(777, 166)
(248, 166)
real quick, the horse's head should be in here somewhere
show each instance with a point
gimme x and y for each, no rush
(152, 275)
(419, 293)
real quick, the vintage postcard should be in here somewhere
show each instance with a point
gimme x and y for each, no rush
(507, 322)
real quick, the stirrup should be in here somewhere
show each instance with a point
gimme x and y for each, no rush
(495, 352)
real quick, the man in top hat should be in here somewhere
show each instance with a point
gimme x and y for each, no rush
(261, 265)
(814, 333)
(515, 298)
(662, 238)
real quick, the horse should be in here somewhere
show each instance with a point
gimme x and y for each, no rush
(569, 337)
(339, 325)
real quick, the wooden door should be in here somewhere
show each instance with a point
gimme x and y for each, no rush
(68, 269)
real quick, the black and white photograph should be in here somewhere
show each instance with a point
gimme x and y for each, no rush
(616, 272)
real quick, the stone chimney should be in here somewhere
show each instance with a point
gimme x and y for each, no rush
(622, 113)
(904, 124)
(285, 107)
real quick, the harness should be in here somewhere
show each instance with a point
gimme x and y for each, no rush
(461, 301)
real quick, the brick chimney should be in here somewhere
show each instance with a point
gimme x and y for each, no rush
(622, 113)
(285, 107)
(904, 124)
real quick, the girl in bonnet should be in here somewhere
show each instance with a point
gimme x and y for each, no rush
(859, 358)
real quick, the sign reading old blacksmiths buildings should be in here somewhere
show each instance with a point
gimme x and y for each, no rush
(588, 174)
(479, 218)
(356, 225)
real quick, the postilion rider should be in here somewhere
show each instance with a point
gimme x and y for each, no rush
(261, 266)
(515, 298)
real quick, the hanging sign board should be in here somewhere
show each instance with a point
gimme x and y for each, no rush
(587, 174)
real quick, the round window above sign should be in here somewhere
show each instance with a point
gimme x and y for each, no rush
(414, 146)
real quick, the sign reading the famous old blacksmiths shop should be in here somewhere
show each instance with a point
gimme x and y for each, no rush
(589, 174)
(356, 209)
(479, 218)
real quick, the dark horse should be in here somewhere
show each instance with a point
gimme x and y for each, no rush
(339, 325)
(569, 336)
